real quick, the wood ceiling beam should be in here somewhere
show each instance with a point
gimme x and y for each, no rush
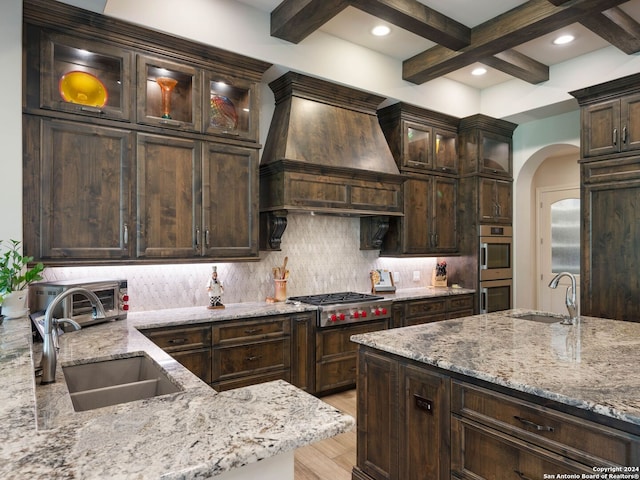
(417, 18)
(519, 25)
(294, 20)
(519, 65)
(617, 28)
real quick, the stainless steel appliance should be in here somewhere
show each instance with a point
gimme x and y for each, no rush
(339, 316)
(496, 252)
(111, 292)
(347, 307)
(496, 268)
(496, 295)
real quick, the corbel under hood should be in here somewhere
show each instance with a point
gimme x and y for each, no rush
(326, 153)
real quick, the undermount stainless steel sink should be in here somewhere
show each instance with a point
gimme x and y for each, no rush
(539, 317)
(110, 382)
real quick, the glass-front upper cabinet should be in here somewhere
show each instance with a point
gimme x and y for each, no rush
(495, 154)
(445, 151)
(81, 76)
(230, 107)
(168, 94)
(417, 151)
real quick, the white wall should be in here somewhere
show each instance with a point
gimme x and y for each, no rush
(11, 120)
(534, 142)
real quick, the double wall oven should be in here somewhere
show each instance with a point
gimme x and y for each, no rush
(496, 268)
(339, 316)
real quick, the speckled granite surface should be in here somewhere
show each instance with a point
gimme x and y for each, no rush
(196, 433)
(592, 365)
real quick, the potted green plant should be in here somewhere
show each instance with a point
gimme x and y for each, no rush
(15, 276)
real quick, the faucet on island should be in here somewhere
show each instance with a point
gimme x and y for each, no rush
(570, 297)
(50, 347)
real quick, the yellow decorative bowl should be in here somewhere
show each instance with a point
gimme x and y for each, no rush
(83, 88)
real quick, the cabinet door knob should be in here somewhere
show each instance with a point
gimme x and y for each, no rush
(125, 234)
(624, 134)
(615, 136)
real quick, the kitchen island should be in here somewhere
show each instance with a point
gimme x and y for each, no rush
(496, 396)
(248, 432)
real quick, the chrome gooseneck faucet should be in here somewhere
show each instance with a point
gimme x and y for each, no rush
(50, 347)
(570, 297)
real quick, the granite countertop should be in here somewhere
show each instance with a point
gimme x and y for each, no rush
(418, 293)
(592, 365)
(195, 433)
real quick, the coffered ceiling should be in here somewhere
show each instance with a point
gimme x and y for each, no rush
(448, 38)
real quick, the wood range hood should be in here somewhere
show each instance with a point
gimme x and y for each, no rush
(325, 153)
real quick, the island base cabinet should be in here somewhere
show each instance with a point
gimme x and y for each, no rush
(424, 424)
(482, 453)
(403, 421)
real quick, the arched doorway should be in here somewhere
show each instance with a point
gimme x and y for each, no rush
(551, 166)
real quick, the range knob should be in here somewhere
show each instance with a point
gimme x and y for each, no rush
(333, 317)
(363, 314)
(342, 316)
(356, 314)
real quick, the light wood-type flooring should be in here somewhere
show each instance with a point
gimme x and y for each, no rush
(330, 459)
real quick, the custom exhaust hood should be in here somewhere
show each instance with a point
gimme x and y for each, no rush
(325, 153)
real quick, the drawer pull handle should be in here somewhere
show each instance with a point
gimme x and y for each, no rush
(521, 475)
(254, 358)
(177, 341)
(529, 423)
(250, 331)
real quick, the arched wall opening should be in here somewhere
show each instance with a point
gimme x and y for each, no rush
(551, 165)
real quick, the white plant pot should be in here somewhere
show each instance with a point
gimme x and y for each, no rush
(14, 304)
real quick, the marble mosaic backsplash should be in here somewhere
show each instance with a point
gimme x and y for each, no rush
(324, 256)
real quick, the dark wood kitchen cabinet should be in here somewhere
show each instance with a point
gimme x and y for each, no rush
(251, 351)
(185, 206)
(429, 224)
(190, 346)
(610, 200)
(303, 372)
(611, 126)
(403, 421)
(495, 201)
(424, 145)
(420, 422)
(336, 355)
(73, 212)
(435, 309)
(188, 191)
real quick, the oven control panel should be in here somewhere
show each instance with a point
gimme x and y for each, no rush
(344, 314)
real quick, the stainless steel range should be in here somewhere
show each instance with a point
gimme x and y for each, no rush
(346, 307)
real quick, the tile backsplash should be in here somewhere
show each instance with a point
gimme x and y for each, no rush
(324, 256)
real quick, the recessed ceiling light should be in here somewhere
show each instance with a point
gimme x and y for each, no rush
(563, 39)
(380, 31)
(479, 71)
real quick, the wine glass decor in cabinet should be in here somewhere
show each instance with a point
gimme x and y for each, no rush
(168, 94)
(85, 77)
(151, 172)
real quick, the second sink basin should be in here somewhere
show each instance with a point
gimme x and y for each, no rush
(110, 382)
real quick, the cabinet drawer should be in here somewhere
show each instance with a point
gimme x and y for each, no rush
(478, 452)
(180, 338)
(251, 358)
(425, 319)
(251, 330)
(337, 341)
(579, 439)
(462, 302)
(245, 381)
(426, 307)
